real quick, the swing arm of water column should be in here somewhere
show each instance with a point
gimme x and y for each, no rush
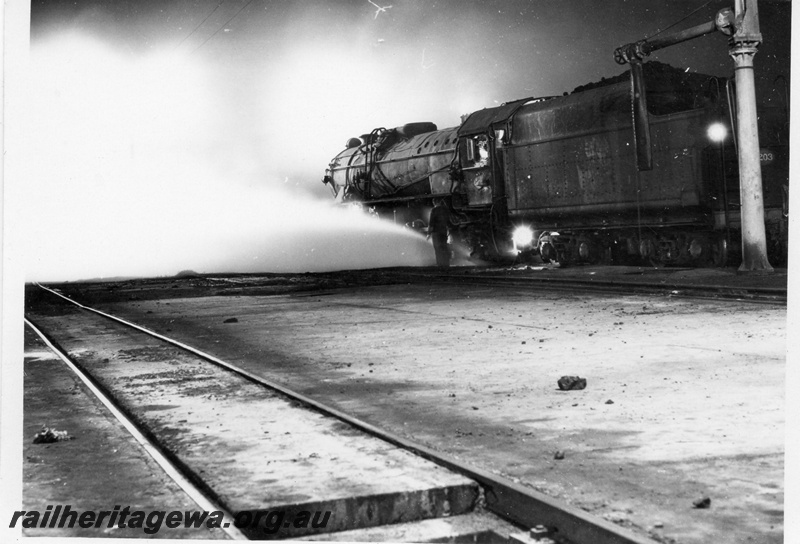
(742, 25)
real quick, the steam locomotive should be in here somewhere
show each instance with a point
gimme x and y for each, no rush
(557, 176)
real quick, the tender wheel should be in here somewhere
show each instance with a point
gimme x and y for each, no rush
(588, 251)
(547, 249)
(719, 252)
(548, 253)
(699, 251)
(647, 248)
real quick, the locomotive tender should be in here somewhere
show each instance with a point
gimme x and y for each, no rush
(558, 176)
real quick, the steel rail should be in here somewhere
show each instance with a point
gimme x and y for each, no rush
(511, 501)
(762, 295)
(195, 494)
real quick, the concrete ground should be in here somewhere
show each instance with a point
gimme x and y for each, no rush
(684, 398)
(251, 448)
(101, 465)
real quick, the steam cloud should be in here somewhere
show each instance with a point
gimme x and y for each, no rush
(138, 168)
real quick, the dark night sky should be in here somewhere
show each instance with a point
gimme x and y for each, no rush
(545, 45)
(334, 69)
(166, 115)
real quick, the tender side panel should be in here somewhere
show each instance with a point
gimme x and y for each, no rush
(569, 158)
(773, 137)
(677, 178)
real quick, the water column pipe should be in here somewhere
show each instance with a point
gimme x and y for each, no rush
(743, 45)
(741, 24)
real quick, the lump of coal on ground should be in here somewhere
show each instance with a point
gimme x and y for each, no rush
(48, 436)
(571, 383)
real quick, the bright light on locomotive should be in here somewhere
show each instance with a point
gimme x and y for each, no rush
(505, 193)
(717, 132)
(522, 237)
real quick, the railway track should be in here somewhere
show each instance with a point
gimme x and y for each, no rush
(701, 284)
(709, 290)
(378, 483)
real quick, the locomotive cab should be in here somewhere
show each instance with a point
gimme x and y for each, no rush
(559, 176)
(476, 167)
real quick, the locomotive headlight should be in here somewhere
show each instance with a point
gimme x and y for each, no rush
(717, 132)
(522, 237)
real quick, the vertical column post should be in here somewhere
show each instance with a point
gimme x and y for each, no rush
(742, 48)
